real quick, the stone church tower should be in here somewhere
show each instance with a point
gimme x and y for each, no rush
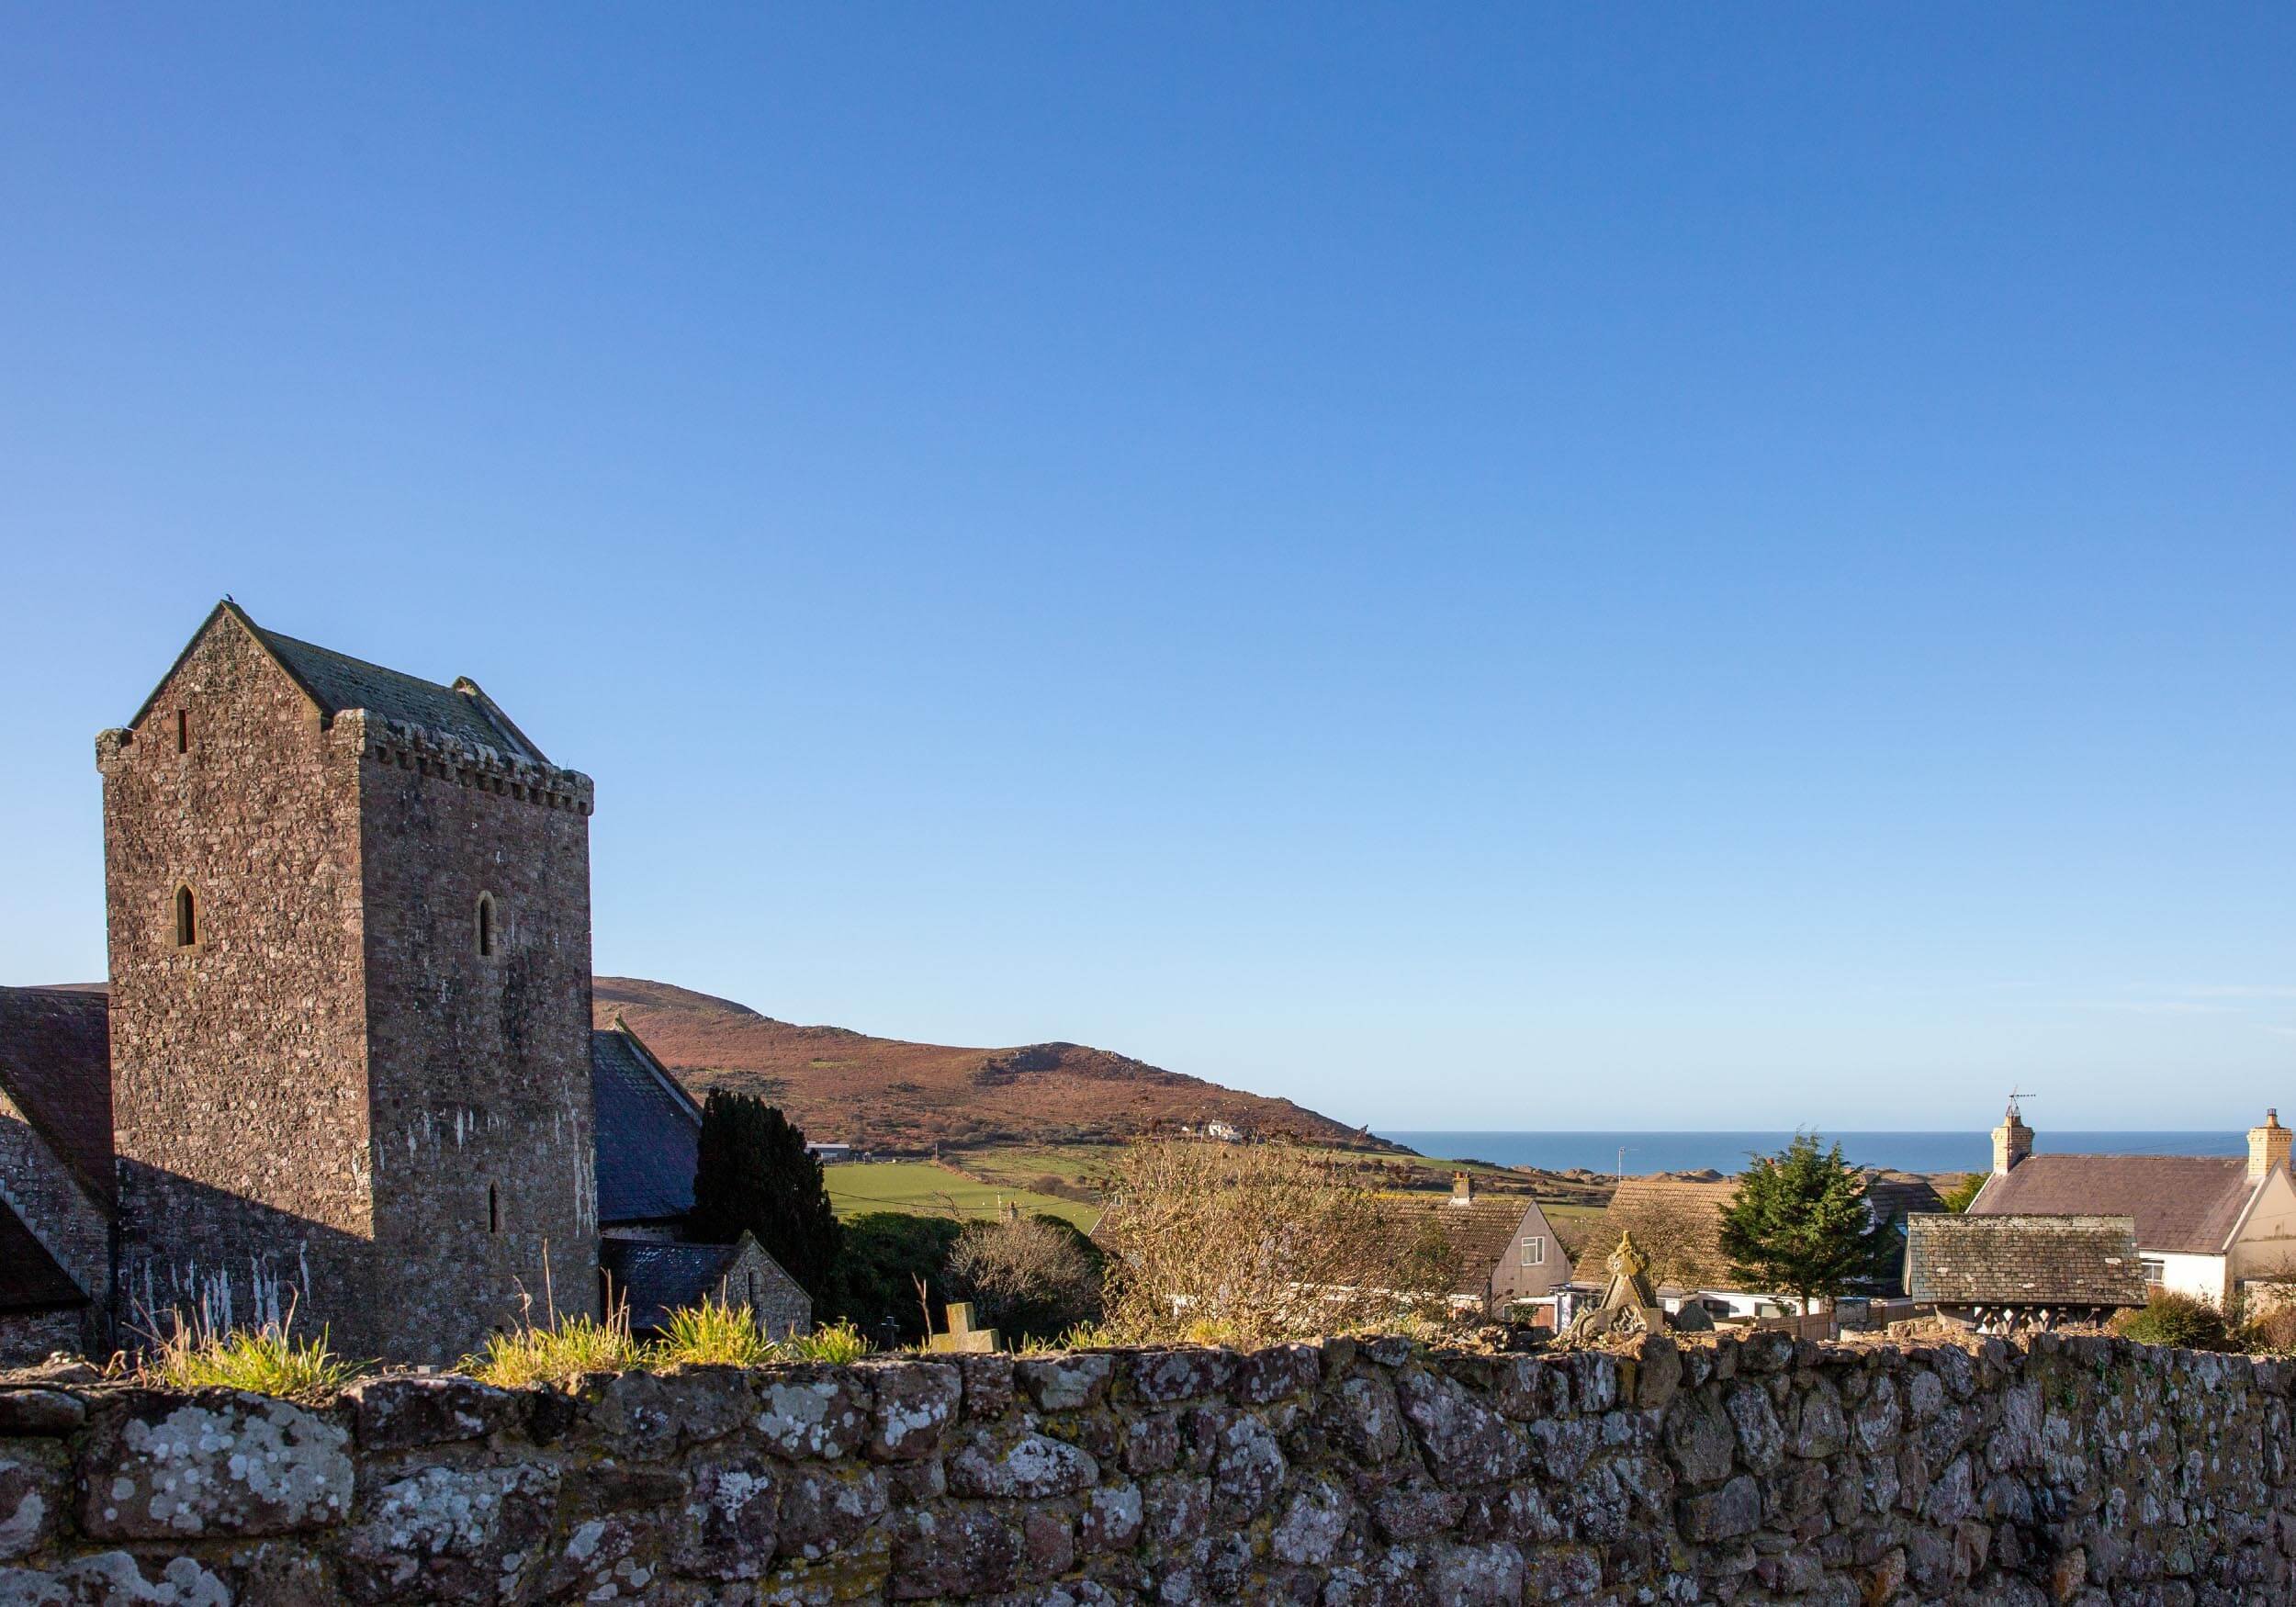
(350, 968)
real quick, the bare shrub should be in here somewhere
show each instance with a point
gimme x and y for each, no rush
(1248, 1244)
(1679, 1237)
(1033, 1277)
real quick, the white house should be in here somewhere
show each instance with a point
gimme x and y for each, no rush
(2205, 1224)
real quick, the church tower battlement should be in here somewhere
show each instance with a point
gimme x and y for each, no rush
(350, 954)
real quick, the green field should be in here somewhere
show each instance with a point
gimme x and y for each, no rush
(1020, 1165)
(1026, 1168)
(926, 1190)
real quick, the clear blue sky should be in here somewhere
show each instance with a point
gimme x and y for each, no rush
(1584, 567)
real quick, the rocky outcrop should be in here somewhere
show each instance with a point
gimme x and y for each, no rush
(2067, 1470)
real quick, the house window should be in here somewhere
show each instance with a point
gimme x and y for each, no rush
(2156, 1269)
(183, 731)
(1535, 1250)
(187, 919)
(486, 926)
(494, 1210)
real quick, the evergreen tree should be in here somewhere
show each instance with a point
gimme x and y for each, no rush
(1799, 1223)
(881, 1256)
(755, 1176)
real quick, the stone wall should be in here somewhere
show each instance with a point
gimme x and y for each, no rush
(2080, 1470)
(29, 1338)
(485, 1176)
(57, 1209)
(239, 1075)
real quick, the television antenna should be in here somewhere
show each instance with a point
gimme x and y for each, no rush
(1621, 1169)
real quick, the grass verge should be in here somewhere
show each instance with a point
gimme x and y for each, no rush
(266, 1361)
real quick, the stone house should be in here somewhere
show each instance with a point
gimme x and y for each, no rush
(350, 1069)
(650, 1279)
(2206, 1225)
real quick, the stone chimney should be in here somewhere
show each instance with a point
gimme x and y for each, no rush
(2012, 1140)
(1463, 1187)
(2267, 1147)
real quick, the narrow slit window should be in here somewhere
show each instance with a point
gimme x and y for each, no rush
(494, 1210)
(183, 731)
(486, 926)
(186, 918)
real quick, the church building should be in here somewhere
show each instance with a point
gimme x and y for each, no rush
(348, 1068)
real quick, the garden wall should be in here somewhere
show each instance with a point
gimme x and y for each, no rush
(2077, 1470)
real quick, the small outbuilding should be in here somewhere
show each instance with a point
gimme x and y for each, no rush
(651, 1280)
(1998, 1274)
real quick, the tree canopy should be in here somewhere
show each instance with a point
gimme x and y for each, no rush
(882, 1256)
(755, 1176)
(1800, 1224)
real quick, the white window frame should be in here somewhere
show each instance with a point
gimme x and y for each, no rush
(1534, 1242)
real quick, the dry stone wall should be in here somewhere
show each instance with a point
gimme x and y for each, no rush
(2082, 1471)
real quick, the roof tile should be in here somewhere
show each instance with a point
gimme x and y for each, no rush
(649, 1132)
(2185, 1204)
(2024, 1260)
(340, 681)
(56, 1065)
(656, 1279)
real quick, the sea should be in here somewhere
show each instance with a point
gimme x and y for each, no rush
(1631, 1153)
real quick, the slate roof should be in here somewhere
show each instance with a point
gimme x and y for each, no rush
(29, 1278)
(649, 1132)
(655, 1279)
(1897, 1197)
(1964, 1260)
(336, 681)
(56, 1066)
(2183, 1204)
(340, 681)
(1482, 1233)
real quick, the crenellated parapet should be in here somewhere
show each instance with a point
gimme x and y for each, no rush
(450, 757)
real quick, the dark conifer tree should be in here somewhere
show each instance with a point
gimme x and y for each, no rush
(755, 1176)
(1800, 1223)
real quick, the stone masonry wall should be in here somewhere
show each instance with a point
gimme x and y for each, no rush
(55, 1208)
(238, 1066)
(485, 1179)
(2079, 1470)
(332, 1102)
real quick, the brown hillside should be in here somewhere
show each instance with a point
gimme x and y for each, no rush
(881, 1094)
